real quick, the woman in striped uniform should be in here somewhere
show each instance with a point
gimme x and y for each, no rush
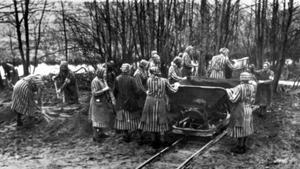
(242, 122)
(127, 119)
(68, 87)
(141, 76)
(174, 74)
(264, 96)
(218, 63)
(187, 65)
(24, 92)
(154, 116)
(101, 110)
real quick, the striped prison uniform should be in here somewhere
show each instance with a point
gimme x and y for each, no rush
(244, 94)
(125, 90)
(128, 122)
(141, 79)
(217, 66)
(174, 74)
(100, 111)
(154, 116)
(23, 95)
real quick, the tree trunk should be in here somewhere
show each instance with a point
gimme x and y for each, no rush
(26, 26)
(204, 36)
(19, 36)
(286, 23)
(38, 39)
(64, 29)
(274, 31)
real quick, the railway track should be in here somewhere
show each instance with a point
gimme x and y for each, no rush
(179, 156)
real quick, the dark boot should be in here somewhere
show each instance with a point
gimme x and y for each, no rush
(244, 145)
(98, 135)
(127, 136)
(19, 120)
(237, 148)
(156, 143)
(141, 138)
(164, 140)
(262, 111)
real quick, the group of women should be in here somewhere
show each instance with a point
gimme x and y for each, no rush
(138, 102)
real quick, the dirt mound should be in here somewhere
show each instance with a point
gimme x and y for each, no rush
(6, 115)
(76, 126)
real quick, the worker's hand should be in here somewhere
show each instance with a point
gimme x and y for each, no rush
(184, 78)
(67, 80)
(176, 85)
(53, 78)
(58, 91)
(106, 88)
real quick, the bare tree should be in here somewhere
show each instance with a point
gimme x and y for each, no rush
(285, 25)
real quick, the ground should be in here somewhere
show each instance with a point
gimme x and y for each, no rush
(65, 141)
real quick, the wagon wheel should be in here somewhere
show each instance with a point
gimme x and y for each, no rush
(196, 116)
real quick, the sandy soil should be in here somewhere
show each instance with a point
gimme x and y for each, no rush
(65, 142)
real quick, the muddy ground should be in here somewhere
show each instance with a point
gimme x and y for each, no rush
(65, 141)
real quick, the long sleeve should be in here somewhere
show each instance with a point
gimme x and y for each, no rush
(234, 94)
(271, 75)
(138, 80)
(170, 87)
(97, 88)
(229, 64)
(173, 75)
(187, 62)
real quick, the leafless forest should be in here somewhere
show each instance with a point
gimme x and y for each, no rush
(36, 31)
(89, 32)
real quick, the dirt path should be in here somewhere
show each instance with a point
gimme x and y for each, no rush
(66, 142)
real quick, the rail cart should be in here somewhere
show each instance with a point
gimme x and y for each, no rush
(201, 107)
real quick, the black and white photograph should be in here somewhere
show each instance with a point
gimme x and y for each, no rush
(149, 84)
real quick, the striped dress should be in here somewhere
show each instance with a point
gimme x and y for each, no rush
(244, 95)
(186, 65)
(101, 112)
(140, 77)
(23, 95)
(154, 117)
(174, 74)
(217, 66)
(125, 91)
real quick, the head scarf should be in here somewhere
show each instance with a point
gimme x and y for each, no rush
(189, 49)
(100, 71)
(268, 64)
(153, 52)
(125, 68)
(224, 50)
(144, 63)
(155, 71)
(177, 60)
(35, 80)
(63, 65)
(156, 58)
(245, 76)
